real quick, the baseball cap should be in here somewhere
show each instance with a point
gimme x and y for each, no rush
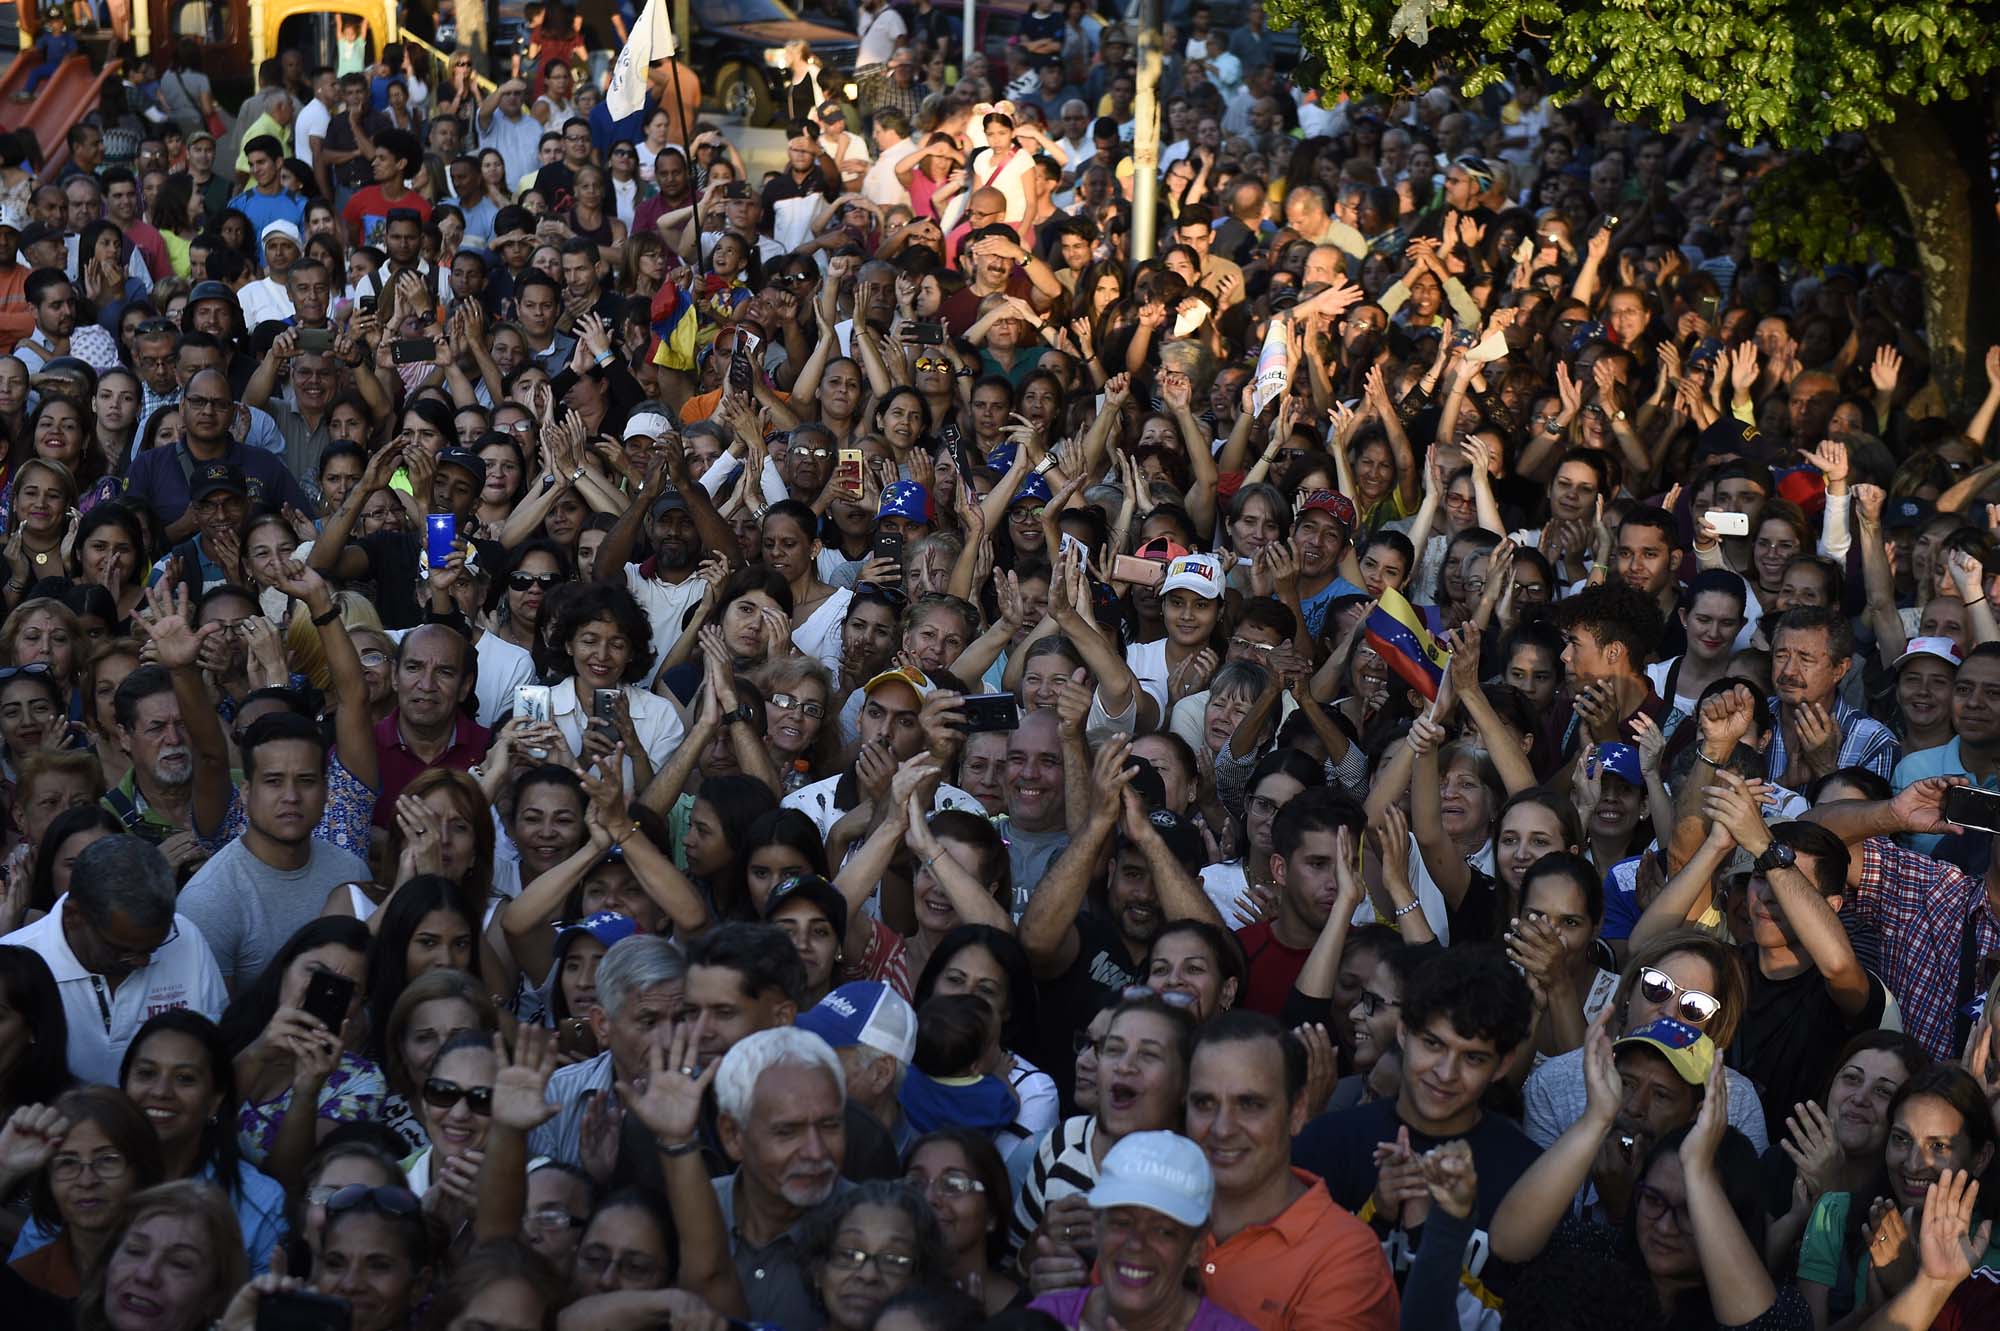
(1161, 548)
(666, 501)
(466, 461)
(1944, 649)
(1478, 168)
(12, 217)
(1198, 573)
(916, 679)
(1334, 504)
(1180, 835)
(37, 232)
(646, 424)
(281, 227)
(607, 927)
(810, 887)
(1899, 511)
(212, 476)
(1621, 760)
(211, 290)
(1159, 1171)
(906, 499)
(1687, 1050)
(866, 1013)
(1034, 490)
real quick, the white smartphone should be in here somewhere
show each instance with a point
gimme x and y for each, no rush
(531, 702)
(1728, 524)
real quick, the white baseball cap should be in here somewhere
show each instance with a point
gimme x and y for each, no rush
(1944, 649)
(1198, 573)
(1159, 1171)
(867, 1013)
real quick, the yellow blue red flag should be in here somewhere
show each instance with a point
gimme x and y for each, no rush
(1397, 631)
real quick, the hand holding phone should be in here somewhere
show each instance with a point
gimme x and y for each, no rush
(1728, 524)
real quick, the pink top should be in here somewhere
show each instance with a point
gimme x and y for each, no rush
(1066, 1306)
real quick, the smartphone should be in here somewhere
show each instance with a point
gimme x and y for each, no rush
(315, 339)
(928, 334)
(888, 545)
(1969, 806)
(986, 712)
(1728, 524)
(739, 366)
(604, 706)
(442, 530)
(304, 1310)
(327, 998)
(736, 189)
(1708, 307)
(366, 304)
(847, 469)
(531, 703)
(1138, 572)
(413, 350)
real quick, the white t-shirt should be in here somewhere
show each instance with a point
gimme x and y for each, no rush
(503, 667)
(880, 185)
(311, 124)
(880, 33)
(102, 1022)
(665, 604)
(1149, 662)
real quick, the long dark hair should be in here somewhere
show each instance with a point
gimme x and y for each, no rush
(251, 1010)
(1018, 1024)
(738, 801)
(389, 951)
(29, 988)
(218, 1135)
(1742, 1187)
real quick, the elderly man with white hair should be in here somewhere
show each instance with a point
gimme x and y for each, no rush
(783, 1102)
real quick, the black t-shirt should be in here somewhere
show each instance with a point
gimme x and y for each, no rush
(1792, 1033)
(1103, 965)
(394, 563)
(1480, 916)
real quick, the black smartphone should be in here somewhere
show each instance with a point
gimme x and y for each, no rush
(327, 998)
(991, 711)
(315, 339)
(1969, 806)
(1708, 307)
(414, 350)
(304, 1310)
(739, 366)
(928, 334)
(366, 304)
(888, 545)
(736, 189)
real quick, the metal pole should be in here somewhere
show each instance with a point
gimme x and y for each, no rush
(971, 43)
(1146, 134)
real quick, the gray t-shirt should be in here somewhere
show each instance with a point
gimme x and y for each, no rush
(1029, 855)
(248, 911)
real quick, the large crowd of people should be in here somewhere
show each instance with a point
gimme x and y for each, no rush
(1426, 757)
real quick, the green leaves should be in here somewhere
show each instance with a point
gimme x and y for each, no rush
(1786, 69)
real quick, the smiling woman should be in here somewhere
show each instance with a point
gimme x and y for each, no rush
(173, 1265)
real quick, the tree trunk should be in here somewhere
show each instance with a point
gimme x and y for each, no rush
(1936, 155)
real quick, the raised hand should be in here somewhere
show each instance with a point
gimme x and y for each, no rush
(1811, 1143)
(1886, 368)
(668, 1103)
(1725, 719)
(1698, 1147)
(1450, 1176)
(520, 1086)
(1743, 369)
(1831, 459)
(169, 626)
(31, 1136)
(1868, 502)
(1948, 1247)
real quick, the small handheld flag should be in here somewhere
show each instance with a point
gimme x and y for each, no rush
(652, 39)
(1397, 632)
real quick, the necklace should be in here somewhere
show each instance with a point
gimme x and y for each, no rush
(41, 557)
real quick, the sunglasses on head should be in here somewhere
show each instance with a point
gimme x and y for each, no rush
(444, 1096)
(359, 1196)
(1691, 1005)
(893, 595)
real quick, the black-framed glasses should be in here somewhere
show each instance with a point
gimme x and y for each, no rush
(853, 1259)
(135, 958)
(632, 1268)
(444, 1096)
(1653, 1206)
(1371, 1002)
(527, 582)
(109, 1166)
(1692, 1006)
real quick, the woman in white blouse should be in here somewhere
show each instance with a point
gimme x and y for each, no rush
(603, 643)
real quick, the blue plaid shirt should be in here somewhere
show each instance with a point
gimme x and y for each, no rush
(1864, 742)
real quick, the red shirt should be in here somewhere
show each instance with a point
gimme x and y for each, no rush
(400, 766)
(1274, 968)
(367, 213)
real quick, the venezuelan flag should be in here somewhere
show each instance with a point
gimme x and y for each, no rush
(1397, 631)
(674, 328)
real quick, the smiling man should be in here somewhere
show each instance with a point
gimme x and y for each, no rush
(1819, 732)
(1302, 869)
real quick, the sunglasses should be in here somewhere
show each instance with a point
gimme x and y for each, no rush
(893, 595)
(359, 1196)
(937, 363)
(444, 1096)
(527, 582)
(1692, 1005)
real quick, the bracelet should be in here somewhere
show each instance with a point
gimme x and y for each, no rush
(604, 357)
(321, 621)
(678, 1149)
(1978, 600)
(621, 840)
(1401, 911)
(1702, 757)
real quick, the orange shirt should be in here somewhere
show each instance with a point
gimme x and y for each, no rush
(1312, 1268)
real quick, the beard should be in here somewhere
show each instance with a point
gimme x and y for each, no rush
(173, 767)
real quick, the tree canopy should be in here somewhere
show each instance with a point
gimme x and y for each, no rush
(1792, 71)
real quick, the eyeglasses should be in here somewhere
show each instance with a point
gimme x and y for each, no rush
(936, 364)
(810, 452)
(1023, 514)
(1242, 644)
(632, 1268)
(786, 702)
(887, 1263)
(949, 1183)
(1371, 1002)
(444, 1096)
(155, 327)
(553, 1218)
(134, 958)
(107, 1166)
(1693, 1006)
(200, 403)
(1654, 1206)
(1264, 806)
(374, 660)
(527, 582)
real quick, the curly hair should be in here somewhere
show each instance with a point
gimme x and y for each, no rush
(606, 601)
(1613, 612)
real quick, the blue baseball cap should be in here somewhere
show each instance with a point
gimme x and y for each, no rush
(1034, 489)
(1621, 760)
(607, 927)
(908, 500)
(867, 1013)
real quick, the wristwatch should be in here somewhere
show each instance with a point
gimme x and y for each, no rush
(1775, 856)
(741, 712)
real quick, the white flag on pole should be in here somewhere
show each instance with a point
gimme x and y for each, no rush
(1274, 366)
(652, 39)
